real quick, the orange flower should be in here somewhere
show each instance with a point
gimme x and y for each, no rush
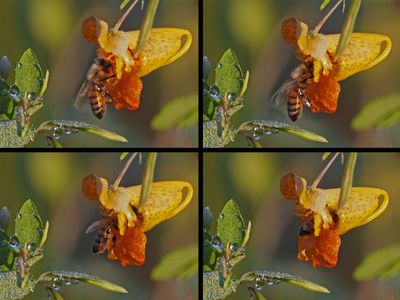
(125, 221)
(317, 52)
(164, 46)
(324, 220)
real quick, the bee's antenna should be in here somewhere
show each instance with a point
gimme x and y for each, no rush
(123, 17)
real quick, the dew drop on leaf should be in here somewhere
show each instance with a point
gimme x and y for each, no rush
(231, 97)
(31, 96)
(220, 216)
(219, 66)
(216, 242)
(14, 242)
(32, 247)
(19, 65)
(214, 92)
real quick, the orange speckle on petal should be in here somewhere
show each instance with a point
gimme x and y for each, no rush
(129, 248)
(89, 29)
(323, 95)
(290, 30)
(321, 250)
(89, 187)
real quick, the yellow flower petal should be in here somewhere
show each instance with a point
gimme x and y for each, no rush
(363, 205)
(164, 46)
(363, 52)
(165, 201)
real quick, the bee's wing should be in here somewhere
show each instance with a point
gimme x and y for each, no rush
(280, 97)
(97, 225)
(82, 94)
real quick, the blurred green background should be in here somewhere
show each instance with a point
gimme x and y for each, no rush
(252, 29)
(252, 180)
(53, 182)
(52, 30)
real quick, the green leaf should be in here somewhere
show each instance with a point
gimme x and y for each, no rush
(383, 263)
(82, 126)
(258, 295)
(260, 127)
(272, 277)
(44, 236)
(228, 74)
(381, 113)
(7, 105)
(230, 225)
(247, 234)
(68, 276)
(211, 138)
(180, 263)
(181, 112)
(209, 253)
(123, 4)
(56, 295)
(6, 253)
(45, 83)
(347, 178)
(9, 288)
(28, 225)
(348, 27)
(28, 74)
(213, 286)
(324, 4)
(123, 155)
(326, 155)
(245, 84)
(9, 137)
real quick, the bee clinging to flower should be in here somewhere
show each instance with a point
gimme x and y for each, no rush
(122, 230)
(324, 221)
(315, 82)
(115, 76)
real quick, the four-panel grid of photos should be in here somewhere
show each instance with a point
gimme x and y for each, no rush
(113, 189)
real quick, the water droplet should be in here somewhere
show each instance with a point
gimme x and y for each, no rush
(214, 92)
(19, 65)
(231, 97)
(258, 287)
(19, 216)
(55, 136)
(219, 66)
(14, 91)
(216, 242)
(256, 136)
(57, 284)
(14, 242)
(68, 282)
(68, 131)
(31, 96)
(32, 247)
(221, 216)
(234, 247)
(267, 132)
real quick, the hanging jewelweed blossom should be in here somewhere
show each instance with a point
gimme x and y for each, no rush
(122, 230)
(315, 83)
(323, 220)
(116, 74)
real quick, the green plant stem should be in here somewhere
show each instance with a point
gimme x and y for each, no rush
(123, 171)
(146, 26)
(324, 170)
(148, 176)
(324, 19)
(347, 178)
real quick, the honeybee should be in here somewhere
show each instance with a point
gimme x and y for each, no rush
(106, 235)
(292, 91)
(100, 77)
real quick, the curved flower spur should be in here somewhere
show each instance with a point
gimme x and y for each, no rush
(116, 73)
(315, 82)
(122, 230)
(323, 220)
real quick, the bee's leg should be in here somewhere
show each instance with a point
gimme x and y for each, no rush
(303, 97)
